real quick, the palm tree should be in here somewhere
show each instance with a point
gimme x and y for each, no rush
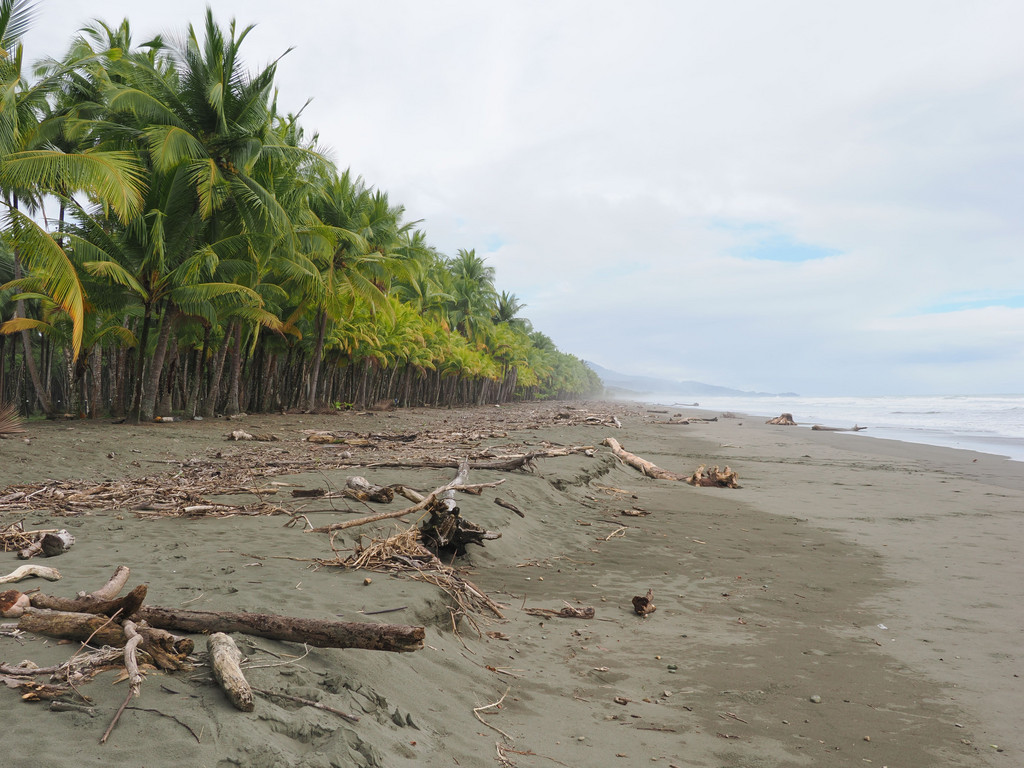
(31, 165)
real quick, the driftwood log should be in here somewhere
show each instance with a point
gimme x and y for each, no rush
(114, 585)
(125, 606)
(225, 658)
(25, 571)
(318, 632)
(713, 478)
(785, 420)
(645, 467)
(820, 428)
(50, 544)
(361, 489)
(84, 618)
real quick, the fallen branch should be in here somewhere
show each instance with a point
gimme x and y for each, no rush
(131, 665)
(566, 612)
(645, 467)
(508, 505)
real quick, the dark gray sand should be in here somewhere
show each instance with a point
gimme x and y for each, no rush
(855, 603)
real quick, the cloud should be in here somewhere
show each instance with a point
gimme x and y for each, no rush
(867, 160)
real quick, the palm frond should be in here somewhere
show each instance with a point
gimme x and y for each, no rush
(41, 253)
(10, 421)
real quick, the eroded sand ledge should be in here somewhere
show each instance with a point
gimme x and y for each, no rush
(767, 595)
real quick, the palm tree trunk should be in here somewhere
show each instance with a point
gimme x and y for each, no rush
(236, 372)
(147, 406)
(213, 396)
(26, 342)
(140, 364)
(318, 353)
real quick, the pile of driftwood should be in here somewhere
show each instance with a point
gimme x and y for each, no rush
(191, 490)
(48, 542)
(416, 552)
(785, 420)
(123, 632)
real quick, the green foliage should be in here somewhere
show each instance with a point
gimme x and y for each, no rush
(204, 230)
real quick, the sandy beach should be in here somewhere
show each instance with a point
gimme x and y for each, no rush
(856, 602)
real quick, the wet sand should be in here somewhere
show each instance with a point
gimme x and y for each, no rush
(882, 578)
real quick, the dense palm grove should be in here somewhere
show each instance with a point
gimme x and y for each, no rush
(203, 256)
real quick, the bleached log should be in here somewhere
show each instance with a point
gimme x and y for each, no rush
(645, 467)
(114, 585)
(225, 658)
(24, 571)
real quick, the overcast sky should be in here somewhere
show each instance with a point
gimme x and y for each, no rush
(825, 198)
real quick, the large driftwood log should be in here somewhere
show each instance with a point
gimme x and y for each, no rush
(225, 658)
(116, 583)
(125, 606)
(317, 632)
(820, 428)
(98, 630)
(646, 467)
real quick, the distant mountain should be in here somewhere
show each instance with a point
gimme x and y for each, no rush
(642, 385)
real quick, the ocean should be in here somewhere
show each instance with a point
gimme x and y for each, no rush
(986, 423)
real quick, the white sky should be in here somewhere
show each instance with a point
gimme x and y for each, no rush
(781, 196)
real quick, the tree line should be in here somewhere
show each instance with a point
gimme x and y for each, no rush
(172, 242)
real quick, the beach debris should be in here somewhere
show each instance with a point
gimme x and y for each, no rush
(224, 659)
(493, 705)
(27, 571)
(131, 665)
(13, 603)
(785, 420)
(424, 503)
(820, 428)
(49, 544)
(509, 505)
(635, 513)
(713, 478)
(645, 467)
(566, 612)
(309, 493)
(644, 604)
(446, 530)
(136, 637)
(241, 434)
(361, 489)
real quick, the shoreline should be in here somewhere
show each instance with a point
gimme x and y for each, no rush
(767, 595)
